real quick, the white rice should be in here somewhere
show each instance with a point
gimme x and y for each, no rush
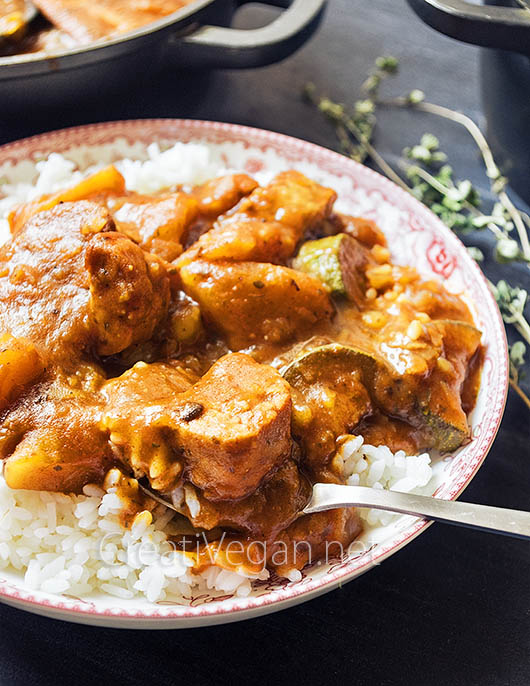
(379, 467)
(75, 545)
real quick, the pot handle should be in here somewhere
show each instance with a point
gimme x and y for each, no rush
(505, 28)
(226, 48)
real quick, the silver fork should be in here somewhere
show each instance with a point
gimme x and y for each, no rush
(497, 520)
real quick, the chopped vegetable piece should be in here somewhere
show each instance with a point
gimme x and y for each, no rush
(292, 199)
(52, 440)
(147, 219)
(330, 381)
(364, 230)
(219, 195)
(339, 262)
(244, 239)
(105, 181)
(250, 302)
(231, 429)
(19, 365)
(185, 323)
(440, 402)
(243, 433)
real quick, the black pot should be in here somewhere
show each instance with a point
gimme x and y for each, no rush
(504, 27)
(197, 36)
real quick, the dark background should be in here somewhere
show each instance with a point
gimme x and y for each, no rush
(451, 608)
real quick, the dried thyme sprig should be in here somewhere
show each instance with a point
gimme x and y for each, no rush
(360, 120)
(498, 182)
(456, 203)
(512, 302)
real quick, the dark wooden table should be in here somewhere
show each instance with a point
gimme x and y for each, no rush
(451, 608)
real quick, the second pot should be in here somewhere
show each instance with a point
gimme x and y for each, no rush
(503, 29)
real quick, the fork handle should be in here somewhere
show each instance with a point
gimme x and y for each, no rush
(497, 520)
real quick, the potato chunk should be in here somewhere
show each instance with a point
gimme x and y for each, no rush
(19, 365)
(292, 199)
(251, 302)
(364, 230)
(51, 439)
(107, 180)
(157, 223)
(219, 195)
(267, 225)
(243, 240)
(63, 456)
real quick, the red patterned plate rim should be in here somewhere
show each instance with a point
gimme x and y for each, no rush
(294, 149)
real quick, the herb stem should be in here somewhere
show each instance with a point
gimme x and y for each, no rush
(491, 167)
(518, 222)
(520, 392)
(344, 123)
(434, 183)
(520, 324)
(372, 152)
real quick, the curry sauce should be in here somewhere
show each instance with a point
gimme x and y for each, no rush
(219, 343)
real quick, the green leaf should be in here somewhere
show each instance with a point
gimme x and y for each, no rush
(511, 301)
(438, 156)
(387, 63)
(452, 203)
(507, 250)
(364, 107)
(429, 141)
(465, 188)
(334, 110)
(517, 354)
(482, 221)
(415, 96)
(476, 253)
(421, 153)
